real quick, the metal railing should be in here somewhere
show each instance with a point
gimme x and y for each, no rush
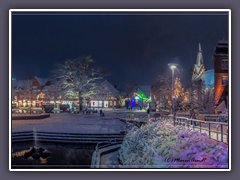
(102, 148)
(208, 117)
(215, 130)
(66, 137)
(216, 118)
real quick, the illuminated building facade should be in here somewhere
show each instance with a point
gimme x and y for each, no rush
(31, 92)
(140, 97)
(37, 92)
(221, 79)
(107, 96)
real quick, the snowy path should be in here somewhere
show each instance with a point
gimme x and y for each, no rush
(72, 123)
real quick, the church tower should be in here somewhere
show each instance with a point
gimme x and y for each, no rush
(199, 68)
(197, 83)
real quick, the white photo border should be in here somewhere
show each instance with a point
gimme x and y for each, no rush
(120, 11)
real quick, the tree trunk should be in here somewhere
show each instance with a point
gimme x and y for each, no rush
(80, 101)
(31, 101)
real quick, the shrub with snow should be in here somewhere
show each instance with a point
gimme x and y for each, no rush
(161, 145)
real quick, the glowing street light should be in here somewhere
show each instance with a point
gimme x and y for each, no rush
(173, 66)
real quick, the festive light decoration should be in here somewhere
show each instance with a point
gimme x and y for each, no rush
(143, 96)
(136, 98)
(41, 96)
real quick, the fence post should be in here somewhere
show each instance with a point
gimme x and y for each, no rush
(227, 134)
(209, 129)
(174, 119)
(221, 133)
(200, 127)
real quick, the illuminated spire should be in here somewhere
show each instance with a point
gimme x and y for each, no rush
(199, 66)
(199, 56)
(199, 47)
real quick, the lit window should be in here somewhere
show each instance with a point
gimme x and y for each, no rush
(224, 64)
(224, 80)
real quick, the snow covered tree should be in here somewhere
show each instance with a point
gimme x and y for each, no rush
(181, 95)
(178, 90)
(77, 78)
(208, 101)
(202, 98)
(122, 101)
(25, 91)
(162, 91)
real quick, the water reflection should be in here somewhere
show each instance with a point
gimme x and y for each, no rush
(51, 155)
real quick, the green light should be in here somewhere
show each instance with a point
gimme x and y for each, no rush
(142, 95)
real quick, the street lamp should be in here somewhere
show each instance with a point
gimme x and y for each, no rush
(173, 66)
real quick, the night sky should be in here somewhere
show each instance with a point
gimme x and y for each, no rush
(133, 48)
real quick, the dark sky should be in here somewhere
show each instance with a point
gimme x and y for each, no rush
(134, 48)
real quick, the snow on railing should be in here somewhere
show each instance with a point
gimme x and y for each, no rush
(100, 149)
(211, 128)
(208, 117)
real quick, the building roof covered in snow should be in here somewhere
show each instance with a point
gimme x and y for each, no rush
(106, 85)
(42, 81)
(21, 83)
(27, 83)
(105, 90)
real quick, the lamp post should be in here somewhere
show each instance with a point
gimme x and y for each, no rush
(173, 67)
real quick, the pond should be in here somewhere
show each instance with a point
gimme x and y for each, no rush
(50, 155)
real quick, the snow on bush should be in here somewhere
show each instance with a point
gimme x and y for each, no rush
(161, 145)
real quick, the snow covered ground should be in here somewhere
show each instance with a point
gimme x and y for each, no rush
(110, 160)
(73, 123)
